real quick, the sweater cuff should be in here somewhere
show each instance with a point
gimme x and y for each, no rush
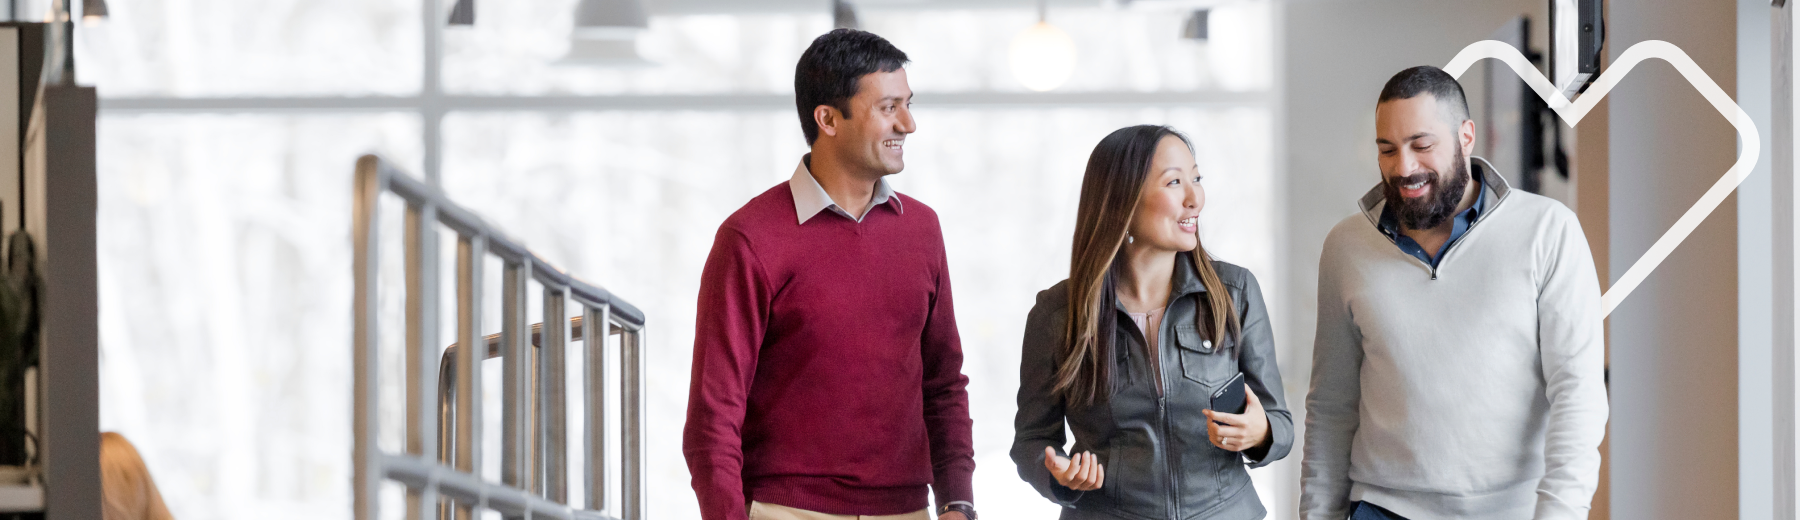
(1551, 507)
(953, 485)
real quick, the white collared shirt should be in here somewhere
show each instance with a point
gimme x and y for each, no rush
(810, 198)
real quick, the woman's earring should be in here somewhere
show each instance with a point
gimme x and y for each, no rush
(1130, 239)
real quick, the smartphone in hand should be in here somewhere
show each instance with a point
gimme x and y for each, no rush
(1229, 398)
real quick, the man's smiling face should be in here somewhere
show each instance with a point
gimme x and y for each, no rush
(1424, 166)
(881, 119)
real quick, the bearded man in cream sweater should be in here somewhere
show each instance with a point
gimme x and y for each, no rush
(1458, 367)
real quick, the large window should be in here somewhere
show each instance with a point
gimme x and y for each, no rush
(228, 138)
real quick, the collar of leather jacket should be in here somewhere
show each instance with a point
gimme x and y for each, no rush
(1185, 280)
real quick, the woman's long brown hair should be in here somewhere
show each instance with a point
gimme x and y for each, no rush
(1116, 173)
(126, 490)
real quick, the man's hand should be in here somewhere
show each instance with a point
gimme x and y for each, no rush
(1239, 432)
(1081, 473)
(953, 515)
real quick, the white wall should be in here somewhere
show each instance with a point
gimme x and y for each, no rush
(1674, 342)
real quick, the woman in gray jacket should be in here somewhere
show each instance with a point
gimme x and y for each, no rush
(1129, 352)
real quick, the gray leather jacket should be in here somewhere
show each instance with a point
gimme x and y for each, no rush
(1159, 463)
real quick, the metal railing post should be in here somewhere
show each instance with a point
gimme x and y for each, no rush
(596, 327)
(631, 359)
(554, 421)
(421, 346)
(364, 452)
(515, 344)
(446, 420)
(469, 253)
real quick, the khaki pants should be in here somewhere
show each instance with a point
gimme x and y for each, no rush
(763, 511)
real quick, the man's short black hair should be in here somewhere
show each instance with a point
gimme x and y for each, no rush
(829, 69)
(1426, 79)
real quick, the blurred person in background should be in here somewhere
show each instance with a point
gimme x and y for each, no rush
(1131, 348)
(827, 378)
(1457, 370)
(126, 489)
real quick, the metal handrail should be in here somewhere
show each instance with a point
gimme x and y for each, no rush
(447, 387)
(443, 406)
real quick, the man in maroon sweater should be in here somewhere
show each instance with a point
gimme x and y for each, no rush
(827, 371)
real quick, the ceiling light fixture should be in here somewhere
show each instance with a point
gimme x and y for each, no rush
(93, 12)
(606, 34)
(1196, 26)
(843, 15)
(463, 13)
(1043, 56)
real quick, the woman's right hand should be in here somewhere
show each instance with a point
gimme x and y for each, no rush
(1081, 473)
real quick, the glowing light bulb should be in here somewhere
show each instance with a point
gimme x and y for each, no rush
(1043, 57)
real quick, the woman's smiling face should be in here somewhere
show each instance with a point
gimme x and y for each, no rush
(1168, 211)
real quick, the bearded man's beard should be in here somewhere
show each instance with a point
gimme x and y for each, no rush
(1431, 210)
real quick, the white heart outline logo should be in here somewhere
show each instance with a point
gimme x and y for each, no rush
(1572, 112)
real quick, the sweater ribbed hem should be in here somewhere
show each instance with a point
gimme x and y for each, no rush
(1511, 503)
(828, 495)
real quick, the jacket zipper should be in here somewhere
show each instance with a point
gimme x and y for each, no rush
(1453, 243)
(1448, 248)
(1172, 504)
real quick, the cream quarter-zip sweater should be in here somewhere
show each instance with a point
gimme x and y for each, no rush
(1472, 391)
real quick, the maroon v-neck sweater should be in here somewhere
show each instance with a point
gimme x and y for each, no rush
(827, 369)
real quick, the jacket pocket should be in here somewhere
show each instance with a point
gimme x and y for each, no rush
(1132, 482)
(1203, 361)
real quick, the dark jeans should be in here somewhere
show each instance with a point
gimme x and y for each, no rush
(1368, 511)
